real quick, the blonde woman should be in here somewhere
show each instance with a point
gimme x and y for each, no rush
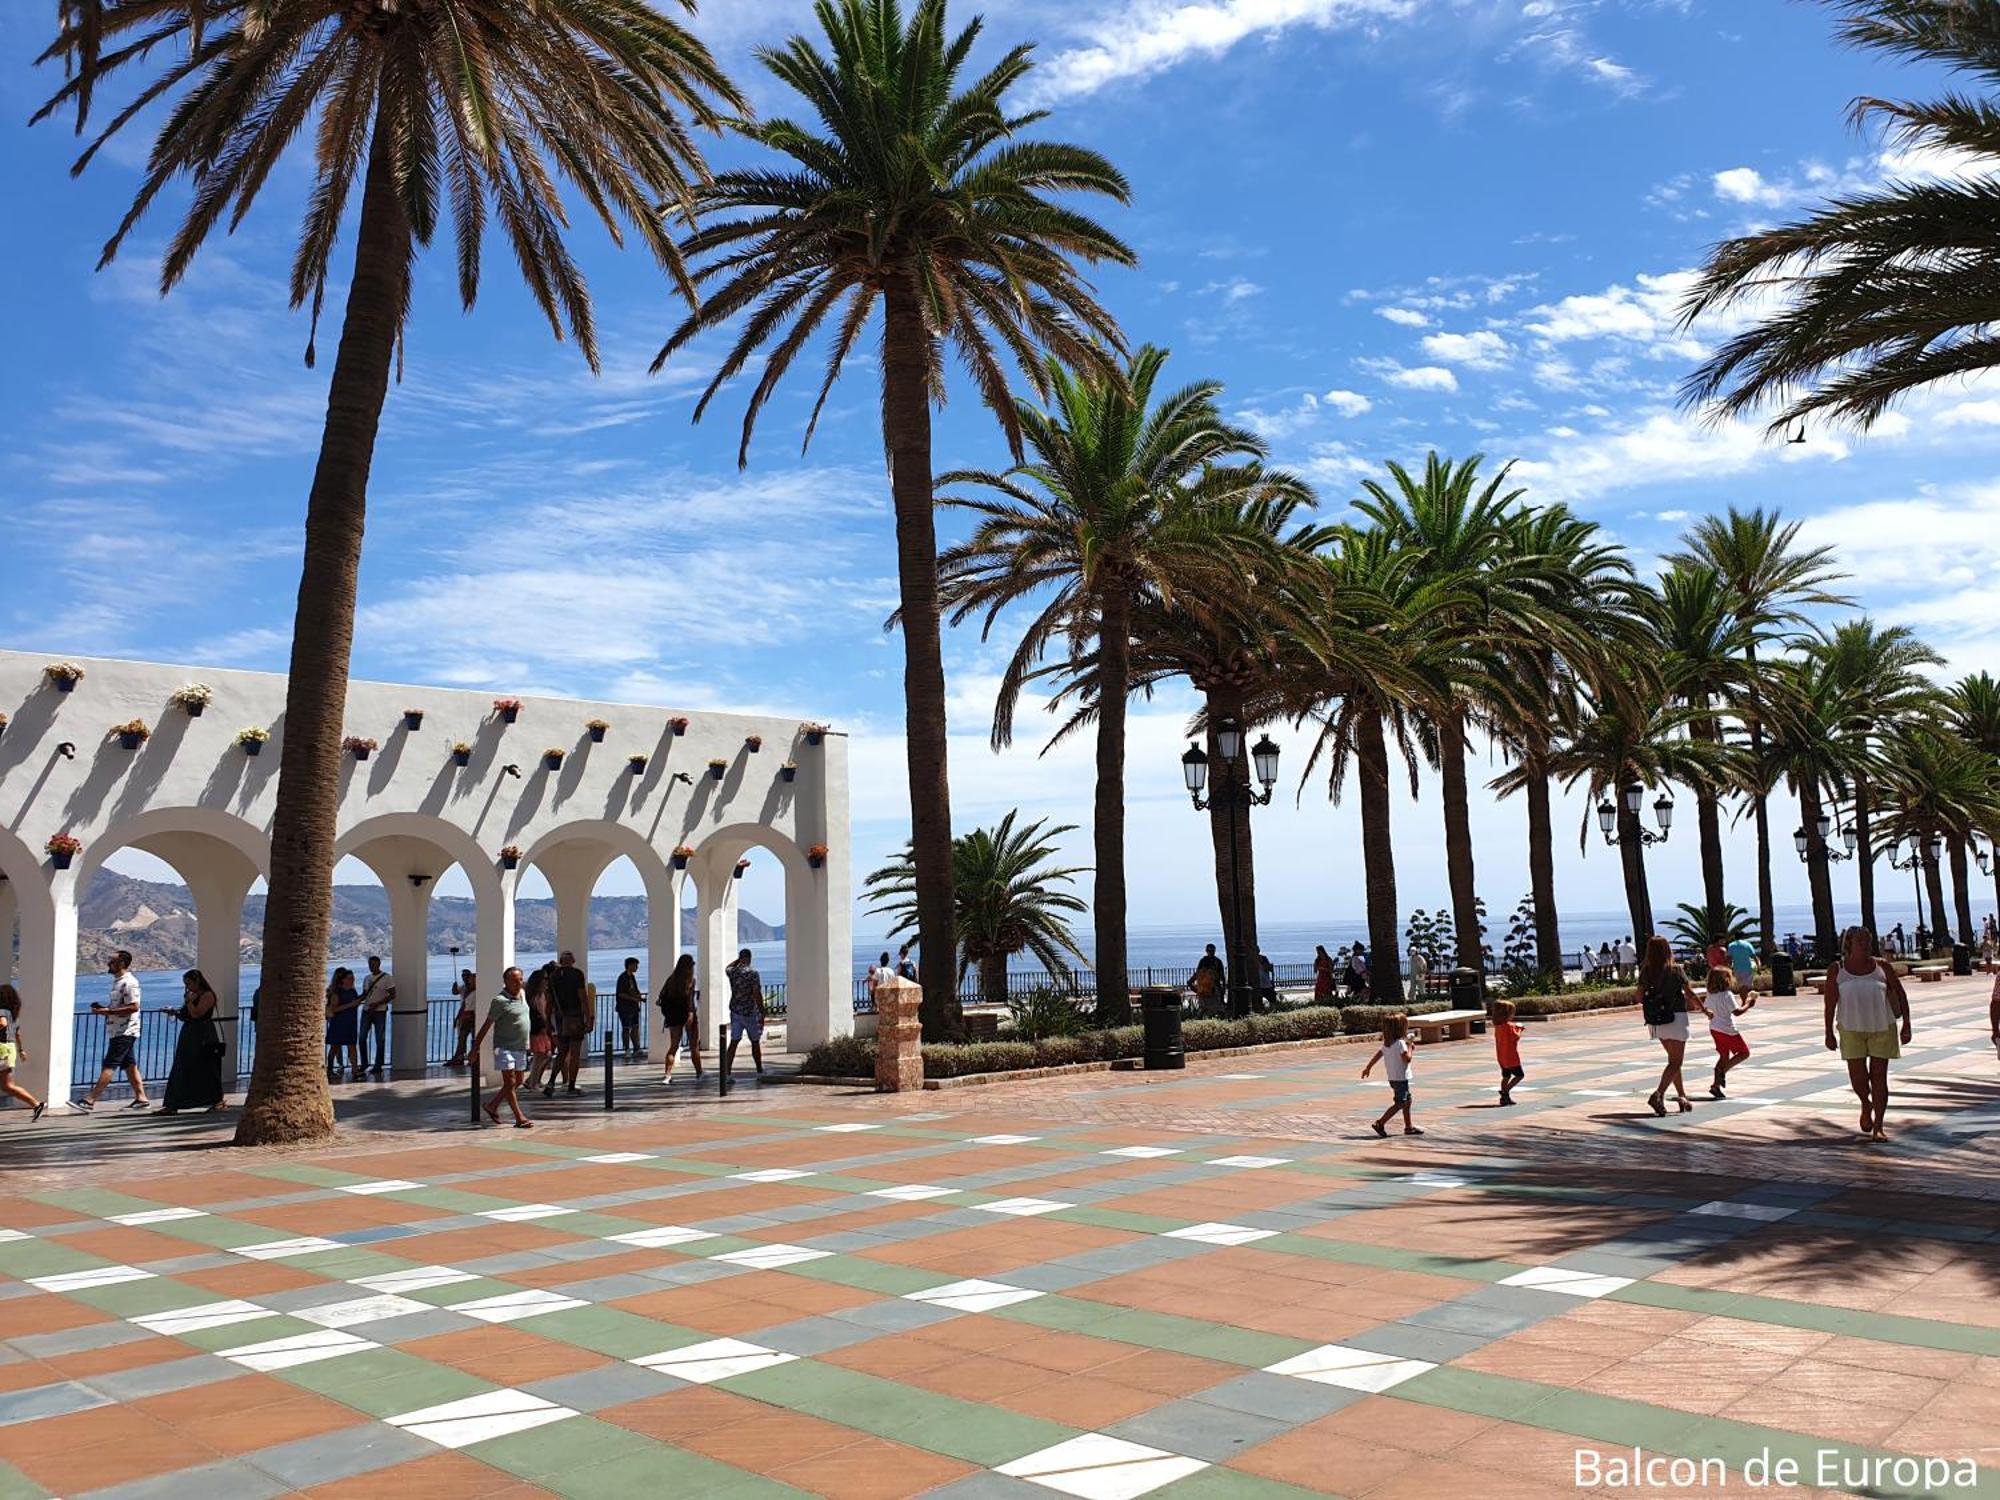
(1865, 1000)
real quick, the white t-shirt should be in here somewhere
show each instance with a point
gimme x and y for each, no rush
(376, 989)
(124, 991)
(1396, 1059)
(1628, 953)
(1721, 1011)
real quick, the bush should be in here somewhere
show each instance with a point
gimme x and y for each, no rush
(1358, 1019)
(1046, 1013)
(1573, 1001)
(843, 1057)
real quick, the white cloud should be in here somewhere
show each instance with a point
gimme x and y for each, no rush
(1970, 414)
(1409, 317)
(1482, 350)
(1645, 313)
(1746, 185)
(1348, 403)
(1232, 291)
(1419, 378)
(1658, 447)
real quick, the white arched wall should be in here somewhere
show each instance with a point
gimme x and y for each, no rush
(571, 857)
(813, 967)
(45, 973)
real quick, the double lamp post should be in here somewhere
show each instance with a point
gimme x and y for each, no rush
(1232, 791)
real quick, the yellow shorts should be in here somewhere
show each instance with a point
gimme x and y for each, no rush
(10, 1054)
(1855, 1045)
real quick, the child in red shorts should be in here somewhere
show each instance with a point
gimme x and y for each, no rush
(1725, 1004)
(1507, 1047)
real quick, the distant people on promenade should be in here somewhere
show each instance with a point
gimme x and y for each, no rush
(906, 966)
(1357, 970)
(1865, 1002)
(1267, 981)
(681, 1018)
(746, 1011)
(512, 1025)
(879, 974)
(1717, 956)
(195, 1079)
(467, 1018)
(1726, 1001)
(571, 1012)
(1322, 974)
(1628, 958)
(1607, 962)
(1420, 974)
(343, 1025)
(12, 1052)
(542, 1047)
(121, 1035)
(630, 1001)
(1666, 1000)
(378, 997)
(1743, 963)
(1899, 940)
(1209, 979)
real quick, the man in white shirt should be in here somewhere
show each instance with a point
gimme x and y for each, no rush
(378, 994)
(1628, 958)
(121, 1035)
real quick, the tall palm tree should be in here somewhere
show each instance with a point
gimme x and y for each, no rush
(1806, 709)
(910, 187)
(1882, 292)
(1122, 499)
(1770, 580)
(455, 108)
(1974, 706)
(1011, 899)
(1939, 784)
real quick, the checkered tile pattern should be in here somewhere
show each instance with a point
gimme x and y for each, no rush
(861, 1297)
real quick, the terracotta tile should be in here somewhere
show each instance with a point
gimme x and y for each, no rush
(978, 1377)
(895, 1357)
(1165, 1372)
(441, 1476)
(96, 1449)
(251, 1278)
(1327, 1461)
(767, 1440)
(505, 1354)
(1409, 1425)
(1090, 1401)
(114, 1357)
(873, 1469)
(1067, 1353)
(47, 1312)
(1425, 1479)
(25, 1374)
(672, 1415)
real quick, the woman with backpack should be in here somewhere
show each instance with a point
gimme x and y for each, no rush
(1666, 998)
(680, 1014)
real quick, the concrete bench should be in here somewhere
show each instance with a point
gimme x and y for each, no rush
(1931, 973)
(1439, 1025)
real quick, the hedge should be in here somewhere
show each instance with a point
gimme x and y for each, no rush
(1562, 1005)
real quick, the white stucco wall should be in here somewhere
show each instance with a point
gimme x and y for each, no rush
(192, 797)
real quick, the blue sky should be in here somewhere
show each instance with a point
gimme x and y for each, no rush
(1386, 225)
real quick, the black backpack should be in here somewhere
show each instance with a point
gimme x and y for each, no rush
(1661, 1003)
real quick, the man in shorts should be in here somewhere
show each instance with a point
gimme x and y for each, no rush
(570, 1011)
(121, 1035)
(746, 1011)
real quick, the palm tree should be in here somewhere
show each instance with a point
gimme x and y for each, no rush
(1806, 710)
(1121, 500)
(1769, 580)
(1939, 784)
(1010, 900)
(1881, 292)
(1698, 926)
(1974, 708)
(479, 103)
(910, 188)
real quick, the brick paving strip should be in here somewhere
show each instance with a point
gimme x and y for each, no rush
(1213, 1283)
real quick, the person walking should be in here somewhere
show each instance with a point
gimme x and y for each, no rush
(1743, 964)
(746, 1012)
(1322, 974)
(1898, 939)
(1730, 1047)
(467, 1018)
(343, 1025)
(570, 1013)
(1357, 970)
(1395, 1054)
(681, 1019)
(12, 1052)
(1208, 978)
(630, 1000)
(542, 1026)
(1267, 982)
(1420, 974)
(1507, 1048)
(1866, 1001)
(1666, 998)
(121, 1035)
(195, 1080)
(378, 996)
(512, 1025)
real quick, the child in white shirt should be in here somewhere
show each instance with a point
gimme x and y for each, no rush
(1395, 1055)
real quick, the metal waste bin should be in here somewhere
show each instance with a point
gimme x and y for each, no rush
(1961, 958)
(1160, 1013)
(1468, 988)
(1781, 975)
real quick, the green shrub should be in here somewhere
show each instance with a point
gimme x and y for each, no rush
(843, 1057)
(1045, 1013)
(1356, 1020)
(956, 1060)
(1573, 1001)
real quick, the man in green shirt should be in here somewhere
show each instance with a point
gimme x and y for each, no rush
(507, 1018)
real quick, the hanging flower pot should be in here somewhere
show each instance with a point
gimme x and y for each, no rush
(716, 768)
(753, 743)
(510, 857)
(816, 856)
(252, 740)
(62, 849)
(682, 854)
(413, 718)
(678, 726)
(358, 747)
(131, 736)
(461, 754)
(509, 709)
(789, 771)
(193, 698)
(815, 733)
(636, 764)
(597, 727)
(64, 674)
(552, 758)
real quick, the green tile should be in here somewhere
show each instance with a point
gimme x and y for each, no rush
(386, 1382)
(658, 1469)
(349, 1263)
(1070, 1314)
(614, 1332)
(1606, 1418)
(1243, 1346)
(455, 1292)
(849, 1397)
(574, 1444)
(985, 1435)
(1473, 1391)
(27, 1258)
(870, 1275)
(454, 1200)
(250, 1331)
(14, 1485)
(219, 1233)
(95, 1202)
(307, 1174)
(1111, 1218)
(595, 1226)
(129, 1299)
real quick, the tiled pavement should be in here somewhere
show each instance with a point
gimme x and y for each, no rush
(1106, 1285)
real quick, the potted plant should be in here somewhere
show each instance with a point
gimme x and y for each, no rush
(132, 734)
(413, 718)
(193, 698)
(509, 709)
(3, 723)
(816, 856)
(358, 747)
(596, 728)
(682, 854)
(64, 674)
(461, 753)
(252, 739)
(678, 726)
(814, 733)
(753, 743)
(510, 857)
(741, 866)
(716, 768)
(636, 764)
(62, 849)
(552, 758)
(789, 771)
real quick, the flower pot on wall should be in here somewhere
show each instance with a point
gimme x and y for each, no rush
(61, 858)
(680, 861)
(510, 861)
(715, 772)
(597, 733)
(413, 718)
(815, 860)
(193, 710)
(788, 772)
(64, 685)
(252, 747)
(636, 765)
(360, 754)
(130, 741)
(552, 762)
(461, 757)
(815, 736)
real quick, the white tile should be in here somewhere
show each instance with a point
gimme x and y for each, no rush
(299, 1349)
(1143, 1151)
(8, 1236)
(770, 1257)
(617, 1158)
(157, 1216)
(1220, 1234)
(929, 1114)
(362, 1310)
(1098, 1467)
(416, 1279)
(1002, 1140)
(973, 1296)
(1436, 1180)
(1569, 1283)
(1250, 1162)
(850, 1127)
(1352, 1369)
(284, 1249)
(911, 1192)
(76, 1281)
(769, 1174)
(1238, 1077)
(1724, 1208)
(474, 1419)
(204, 1315)
(1600, 1093)
(521, 1213)
(714, 1359)
(511, 1307)
(386, 1185)
(659, 1239)
(1022, 1207)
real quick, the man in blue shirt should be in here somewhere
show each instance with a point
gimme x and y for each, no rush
(1743, 959)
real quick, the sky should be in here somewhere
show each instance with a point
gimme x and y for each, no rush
(1386, 226)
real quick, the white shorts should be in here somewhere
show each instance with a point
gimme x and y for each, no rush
(1675, 1030)
(505, 1061)
(740, 1028)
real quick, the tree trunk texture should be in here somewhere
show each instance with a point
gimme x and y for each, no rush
(288, 1099)
(993, 979)
(1864, 855)
(906, 435)
(1961, 888)
(1767, 920)
(1225, 703)
(1819, 874)
(1542, 860)
(1114, 688)
(1934, 888)
(1378, 858)
(1632, 854)
(1708, 830)
(1458, 843)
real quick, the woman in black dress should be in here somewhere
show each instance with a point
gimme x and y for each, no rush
(195, 1081)
(680, 1014)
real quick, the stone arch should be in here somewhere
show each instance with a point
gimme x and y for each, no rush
(177, 834)
(24, 897)
(818, 991)
(571, 857)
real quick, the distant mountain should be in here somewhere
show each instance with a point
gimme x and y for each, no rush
(155, 920)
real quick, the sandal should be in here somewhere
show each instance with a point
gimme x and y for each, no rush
(523, 1124)
(1658, 1105)
(1381, 1130)
(1686, 1104)
(1411, 1130)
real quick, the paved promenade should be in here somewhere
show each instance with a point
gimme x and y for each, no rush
(1212, 1284)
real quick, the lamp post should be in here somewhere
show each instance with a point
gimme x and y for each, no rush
(1924, 852)
(1232, 791)
(1619, 821)
(1635, 797)
(1823, 829)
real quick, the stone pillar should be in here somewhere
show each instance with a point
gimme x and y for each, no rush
(409, 959)
(7, 912)
(899, 1030)
(46, 978)
(219, 887)
(819, 918)
(715, 938)
(493, 897)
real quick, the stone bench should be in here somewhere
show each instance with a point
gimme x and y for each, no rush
(1931, 973)
(1440, 1025)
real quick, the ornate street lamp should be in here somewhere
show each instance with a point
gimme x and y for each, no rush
(1635, 799)
(1232, 790)
(1823, 830)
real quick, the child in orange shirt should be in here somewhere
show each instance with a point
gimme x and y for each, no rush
(1507, 1047)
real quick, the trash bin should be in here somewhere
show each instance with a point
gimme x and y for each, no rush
(1468, 989)
(1961, 958)
(1160, 1013)
(1781, 975)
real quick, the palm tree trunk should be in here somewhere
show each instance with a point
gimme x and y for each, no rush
(1708, 828)
(1632, 854)
(1542, 860)
(1864, 854)
(1225, 703)
(1378, 857)
(1961, 888)
(1767, 920)
(1458, 843)
(906, 436)
(993, 979)
(1819, 875)
(288, 1099)
(1114, 687)
(1934, 888)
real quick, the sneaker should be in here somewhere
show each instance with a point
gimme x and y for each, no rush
(40, 1109)
(140, 1104)
(83, 1106)
(1381, 1130)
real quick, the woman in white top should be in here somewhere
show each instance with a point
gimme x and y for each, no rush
(1865, 997)
(1665, 998)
